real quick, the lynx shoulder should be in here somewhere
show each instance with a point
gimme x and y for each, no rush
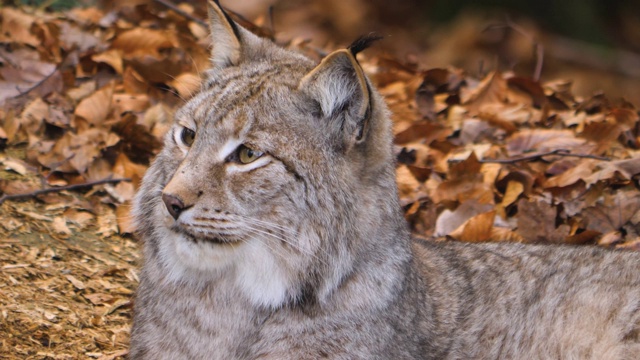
(272, 230)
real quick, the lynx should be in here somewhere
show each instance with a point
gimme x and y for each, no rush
(272, 230)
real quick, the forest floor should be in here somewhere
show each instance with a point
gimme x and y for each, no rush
(88, 94)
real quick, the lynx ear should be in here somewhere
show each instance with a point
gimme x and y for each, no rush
(339, 86)
(225, 35)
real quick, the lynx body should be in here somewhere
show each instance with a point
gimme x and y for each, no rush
(272, 230)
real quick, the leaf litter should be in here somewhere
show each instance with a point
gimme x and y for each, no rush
(87, 96)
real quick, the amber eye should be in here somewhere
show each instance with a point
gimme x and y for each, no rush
(247, 155)
(187, 136)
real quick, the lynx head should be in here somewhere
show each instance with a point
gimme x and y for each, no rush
(278, 174)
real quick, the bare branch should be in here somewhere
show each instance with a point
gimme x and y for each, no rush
(63, 62)
(272, 25)
(38, 84)
(538, 156)
(182, 13)
(537, 73)
(33, 194)
(538, 47)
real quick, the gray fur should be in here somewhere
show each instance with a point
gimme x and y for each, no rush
(304, 254)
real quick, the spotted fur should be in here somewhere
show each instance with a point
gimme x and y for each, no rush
(304, 253)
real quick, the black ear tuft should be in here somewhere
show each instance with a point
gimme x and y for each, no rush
(233, 24)
(363, 42)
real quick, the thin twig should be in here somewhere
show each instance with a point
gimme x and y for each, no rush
(537, 45)
(272, 26)
(539, 48)
(53, 167)
(63, 62)
(557, 152)
(182, 13)
(32, 194)
(38, 84)
(537, 73)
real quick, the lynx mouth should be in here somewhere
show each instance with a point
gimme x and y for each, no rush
(211, 240)
(198, 237)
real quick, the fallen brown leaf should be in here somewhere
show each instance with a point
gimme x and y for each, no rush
(492, 90)
(477, 229)
(96, 107)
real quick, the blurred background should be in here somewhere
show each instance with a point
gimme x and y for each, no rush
(593, 43)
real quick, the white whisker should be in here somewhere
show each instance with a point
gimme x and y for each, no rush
(269, 225)
(278, 251)
(272, 225)
(255, 227)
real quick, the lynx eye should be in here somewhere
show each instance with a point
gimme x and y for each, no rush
(187, 136)
(247, 155)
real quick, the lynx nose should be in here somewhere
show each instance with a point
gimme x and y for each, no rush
(173, 204)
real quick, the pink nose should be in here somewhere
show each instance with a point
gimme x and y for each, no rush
(173, 204)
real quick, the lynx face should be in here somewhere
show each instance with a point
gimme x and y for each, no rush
(261, 168)
(233, 192)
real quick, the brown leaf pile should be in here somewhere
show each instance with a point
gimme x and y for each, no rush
(66, 299)
(510, 159)
(87, 95)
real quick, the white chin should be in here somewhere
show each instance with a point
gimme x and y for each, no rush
(254, 269)
(203, 255)
(196, 263)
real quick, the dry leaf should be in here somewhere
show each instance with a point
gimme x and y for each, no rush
(466, 182)
(537, 223)
(99, 298)
(75, 152)
(112, 58)
(477, 229)
(80, 218)
(611, 238)
(492, 90)
(116, 305)
(587, 236)
(542, 140)
(186, 84)
(15, 27)
(17, 165)
(75, 282)
(407, 183)
(571, 176)
(144, 42)
(614, 212)
(34, 215)
(513, 192)
(60, 226)
(448, 220)
(618, 170)
(96, 107)
(107, 224)
(532, 89)
(499, 234)
(426, 131)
